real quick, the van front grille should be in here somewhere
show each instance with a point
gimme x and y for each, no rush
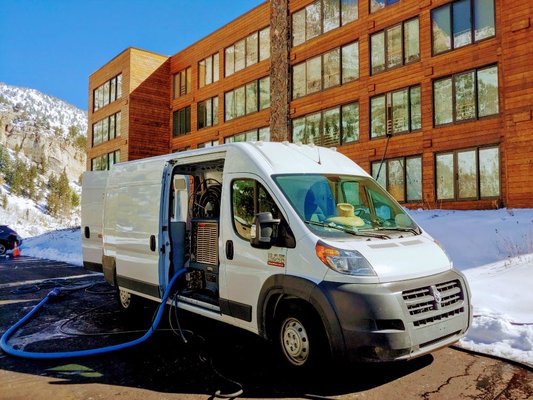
(428, 299)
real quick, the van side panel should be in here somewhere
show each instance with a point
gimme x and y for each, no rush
(92, 204)
(131, 225)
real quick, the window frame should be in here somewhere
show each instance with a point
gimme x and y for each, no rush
(215, 72)
(385, 33)
(177, 132)
(454, 96)
(385, 172)
(214, 113)
(321, 124)
(259, 56)
(322, 31)
(258, 107)
(107, 159)
(98, 127)
(176, 86)
(472, 27)
(389, 104)
(322, 74)
(99, 100)
(455, 173)
(231, 138)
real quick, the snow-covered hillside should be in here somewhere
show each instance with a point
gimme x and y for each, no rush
(39, 106)
(47, 135)
(43, 129)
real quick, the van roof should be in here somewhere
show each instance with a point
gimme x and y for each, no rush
(285, 157)
(268, 157)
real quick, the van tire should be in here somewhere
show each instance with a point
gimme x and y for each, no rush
(301, 337)
(128, 303)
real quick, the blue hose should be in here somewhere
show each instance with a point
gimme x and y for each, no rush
(81, 353)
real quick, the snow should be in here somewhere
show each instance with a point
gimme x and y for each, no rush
(37, 105)
(493, 248)
(61, 245)
(29, 218)
(497, 234)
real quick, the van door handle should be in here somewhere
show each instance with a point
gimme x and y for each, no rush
(87, 232)
(229, 249)
(152, 242)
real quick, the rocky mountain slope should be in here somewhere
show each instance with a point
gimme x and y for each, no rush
(41, 127)
(42, 156)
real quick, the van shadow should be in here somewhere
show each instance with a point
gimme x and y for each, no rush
(216, 357)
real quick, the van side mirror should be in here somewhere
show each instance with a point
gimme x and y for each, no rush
(262, 230)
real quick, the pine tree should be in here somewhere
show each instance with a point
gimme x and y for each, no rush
(43, 166)
(31, 182)
(74, 199)
(60, 199)
(18, 182)
(73, 131)
(52, 201)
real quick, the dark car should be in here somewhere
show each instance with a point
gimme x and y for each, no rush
(8, 238)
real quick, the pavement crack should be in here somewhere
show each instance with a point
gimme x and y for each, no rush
(427, 395)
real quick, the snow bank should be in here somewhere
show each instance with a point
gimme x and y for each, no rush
(62, 245)
(479, 237)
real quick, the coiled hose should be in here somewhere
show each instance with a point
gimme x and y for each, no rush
(80, 353)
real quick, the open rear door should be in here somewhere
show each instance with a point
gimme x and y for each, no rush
(92, 207)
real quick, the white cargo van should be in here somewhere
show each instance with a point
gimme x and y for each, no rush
(295, 243)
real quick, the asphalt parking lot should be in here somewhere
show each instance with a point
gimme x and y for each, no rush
(216, 357)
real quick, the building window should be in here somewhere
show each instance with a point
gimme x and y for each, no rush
(248, 51)
(469, 174)
(401, 177)
(247, 99)
(181, 121)
(320, 17)
(210, 143)
(466, 96)
(460, 23)
(208, 113)
(182, 83)
(104, 162)
(376, 5)
(336, 67)
(107, 93)
(180, 149)
(333, 127)
(106, 129)
(395, 112)
(254, 135)
(395, 46)
(208, 71)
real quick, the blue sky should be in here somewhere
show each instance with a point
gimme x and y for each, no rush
(54, 45)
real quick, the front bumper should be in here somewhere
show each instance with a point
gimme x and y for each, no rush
(400, 320)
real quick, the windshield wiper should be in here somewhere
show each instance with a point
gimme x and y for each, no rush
(332, 225)
(399, 228)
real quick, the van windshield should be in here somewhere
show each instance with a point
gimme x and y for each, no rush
(339, 205)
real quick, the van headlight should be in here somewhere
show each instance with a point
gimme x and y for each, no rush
(349, 262)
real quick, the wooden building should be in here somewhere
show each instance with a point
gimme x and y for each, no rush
(440, 91)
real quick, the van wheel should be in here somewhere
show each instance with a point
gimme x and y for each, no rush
(301, 337)
(128, 302)
(3, 249)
